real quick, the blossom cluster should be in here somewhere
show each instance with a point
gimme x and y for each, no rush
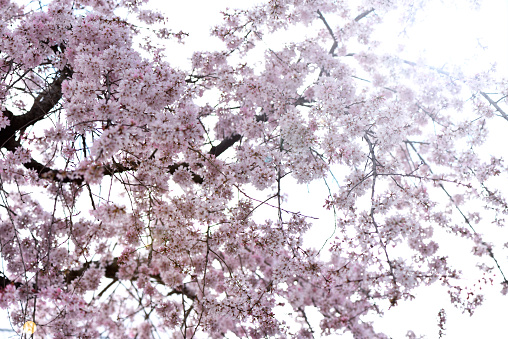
(128, 207)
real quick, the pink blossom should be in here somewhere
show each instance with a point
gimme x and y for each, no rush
(130, 207)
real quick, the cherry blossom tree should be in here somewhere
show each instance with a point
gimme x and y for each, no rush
(131, 210)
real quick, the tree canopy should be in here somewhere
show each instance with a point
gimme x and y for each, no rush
(140, 200)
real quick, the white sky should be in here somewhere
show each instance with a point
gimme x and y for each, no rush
(450, 34)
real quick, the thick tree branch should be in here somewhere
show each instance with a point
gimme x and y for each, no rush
(224, 145)
(41, 107)
(44, 102)
(496, 106)
(111, 271)
(45, 172)
(4, 282)
(364, 14)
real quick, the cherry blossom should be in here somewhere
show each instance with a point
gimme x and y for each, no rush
(131, 209)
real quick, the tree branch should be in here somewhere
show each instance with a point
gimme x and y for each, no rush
(496, 106)
(111, 271)
(335, 42)
(45, 172)
(364, 14)
(41, 107)
(224, 145)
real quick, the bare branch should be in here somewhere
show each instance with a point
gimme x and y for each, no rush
(496, 106)
(364, 14)
(335, 42)
(41, 107)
